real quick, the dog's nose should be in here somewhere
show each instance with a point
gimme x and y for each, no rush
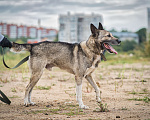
(118, 41)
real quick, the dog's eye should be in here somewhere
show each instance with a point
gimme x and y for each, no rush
(108, 35)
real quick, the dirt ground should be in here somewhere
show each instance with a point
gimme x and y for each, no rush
(125, 92)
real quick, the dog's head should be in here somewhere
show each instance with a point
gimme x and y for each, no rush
(103, 39)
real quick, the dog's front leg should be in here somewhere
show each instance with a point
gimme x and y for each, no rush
(92, 68)
(79, 93)
(92, 82)
(89, 71)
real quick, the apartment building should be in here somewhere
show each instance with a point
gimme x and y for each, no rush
(32, 32)
(3, 28)
(15, 31)
(22, 31)
(12, 30)
(76, 27)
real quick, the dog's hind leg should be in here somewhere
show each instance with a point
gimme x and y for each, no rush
(79, 93)
(36, 73)
(92, 82)
(33, 80)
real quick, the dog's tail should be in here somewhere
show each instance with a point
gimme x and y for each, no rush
(20, 47)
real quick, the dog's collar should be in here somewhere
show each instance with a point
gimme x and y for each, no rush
(103, 57)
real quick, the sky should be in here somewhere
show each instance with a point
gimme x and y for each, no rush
(117, 14)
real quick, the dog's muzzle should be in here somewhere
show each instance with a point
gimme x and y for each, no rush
(119, 41)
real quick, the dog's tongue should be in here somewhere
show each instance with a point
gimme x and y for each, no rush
(110, 47)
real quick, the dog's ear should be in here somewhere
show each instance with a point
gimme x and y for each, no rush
(93, 29)
(100, 27)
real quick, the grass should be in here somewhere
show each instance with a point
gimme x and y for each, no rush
(124, 108)
(43, 87)
(102, 108)
(14, 96)
(53, 84)
(61, 109)
(36, 111)
(123, 58)
(144, 91)
(4, 80)
(100, 77)
(66, 91)
(71, 110)
(54, 111)
(12, 59)
(133, 92)
(145, 99)
(13, 90)
(45, 111)
(143, 81)
(72, 113)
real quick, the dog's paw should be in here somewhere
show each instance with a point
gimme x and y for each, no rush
(27, 104)
(32, 103)
(84, 107)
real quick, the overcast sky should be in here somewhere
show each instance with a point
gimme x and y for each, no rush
(118, 14)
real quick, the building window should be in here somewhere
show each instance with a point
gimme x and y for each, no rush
(62, 27)
(80, 19)
(72, 19)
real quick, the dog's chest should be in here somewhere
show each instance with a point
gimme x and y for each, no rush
(96, 60)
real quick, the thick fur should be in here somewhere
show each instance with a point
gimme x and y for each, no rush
(20, 47)
(79, 59)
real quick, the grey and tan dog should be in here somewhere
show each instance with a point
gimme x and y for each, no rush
(80, 59)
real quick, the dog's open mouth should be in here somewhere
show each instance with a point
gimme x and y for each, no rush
(109, 48)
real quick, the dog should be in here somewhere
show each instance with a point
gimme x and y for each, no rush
(79, 59)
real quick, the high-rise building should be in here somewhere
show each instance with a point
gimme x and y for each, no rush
(22, 31)
(3, 28)
(35, 34)
(32, 32)
(76, 27)
(41, 31)
(12, 30)
(148, 29)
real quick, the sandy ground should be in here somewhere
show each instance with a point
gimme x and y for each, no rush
(125, 92)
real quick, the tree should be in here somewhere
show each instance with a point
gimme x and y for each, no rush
(142, 35)
(56, 39)
(112, 30)
(125, 46)
(128, 45)
(124, 31)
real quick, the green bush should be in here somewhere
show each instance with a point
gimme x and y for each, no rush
(126, 46)
(143, 50)
(147, 49)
